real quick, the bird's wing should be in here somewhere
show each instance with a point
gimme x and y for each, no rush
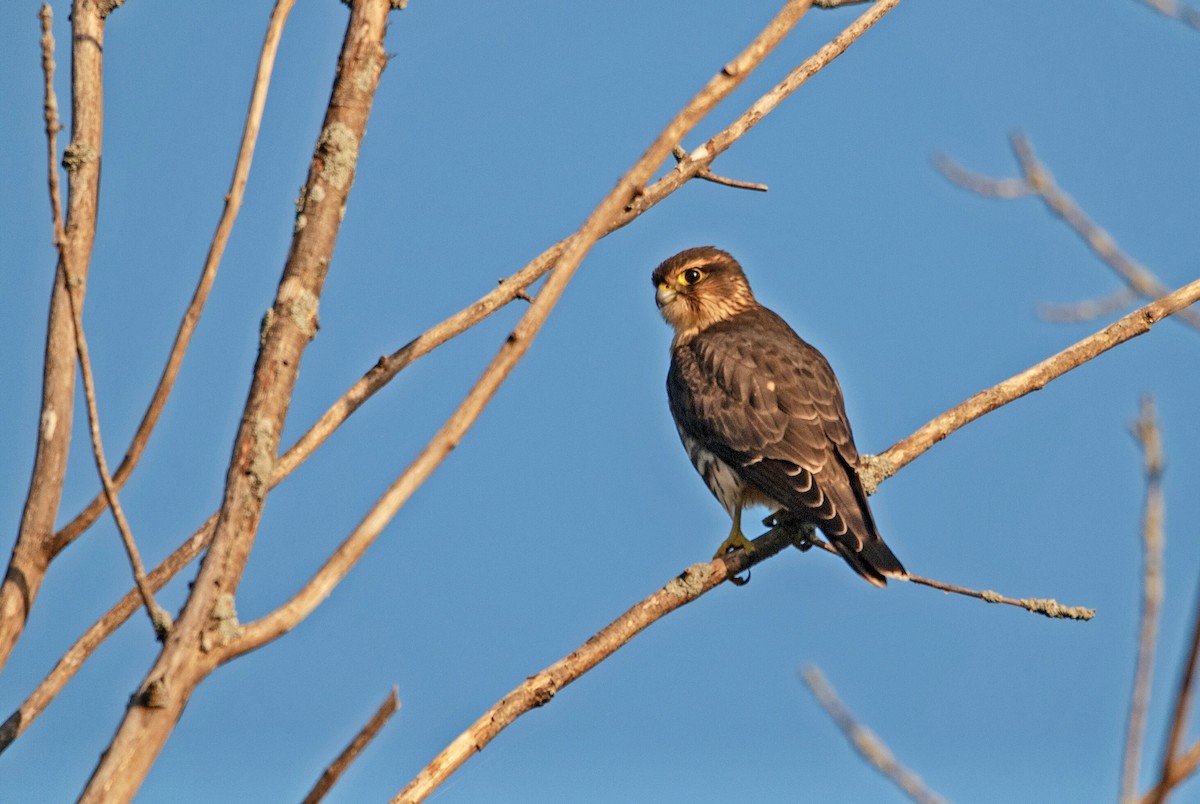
(769, 405)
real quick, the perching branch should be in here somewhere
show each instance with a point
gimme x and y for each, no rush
(540, 688)
(1037, 180)
(1149, 439)
(336, 768)
(868, 745)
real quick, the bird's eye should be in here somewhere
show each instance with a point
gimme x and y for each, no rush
(692, 275)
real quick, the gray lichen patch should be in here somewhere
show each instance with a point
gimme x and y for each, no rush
(262, 457)
(224, 628)
(340, 149)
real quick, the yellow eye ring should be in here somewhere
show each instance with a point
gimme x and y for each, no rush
(691, 276)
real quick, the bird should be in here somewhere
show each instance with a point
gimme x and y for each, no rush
(760, 411)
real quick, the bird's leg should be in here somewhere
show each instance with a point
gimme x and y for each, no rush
(802, 532)
(736, 539)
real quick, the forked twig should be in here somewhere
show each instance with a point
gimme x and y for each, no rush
(1037, 180)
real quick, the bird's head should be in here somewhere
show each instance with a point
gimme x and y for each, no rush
(699, 287)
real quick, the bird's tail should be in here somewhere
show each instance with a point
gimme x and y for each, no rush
(875, 562)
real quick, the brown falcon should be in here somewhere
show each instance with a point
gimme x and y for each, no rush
(760, 411)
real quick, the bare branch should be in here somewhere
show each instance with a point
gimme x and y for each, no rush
(208, 620)
(1183, 702)
(868, 745)
(373, 726)
(31, 556)
(1146, 431)
(1176, 11)
(1032, 379)
(208, 275)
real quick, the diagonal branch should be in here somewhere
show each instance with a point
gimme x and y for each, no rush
(1146, 431)
(1032, 379)
(208, 275)
(159, 619)
(373, 726)
(868, 745)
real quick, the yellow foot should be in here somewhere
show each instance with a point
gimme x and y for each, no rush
(736, 541)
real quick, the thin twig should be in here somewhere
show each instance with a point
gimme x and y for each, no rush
(208, 275)
(1047, 607)
(1089, 309)
(1183, 702)
(705, 173)
(74, 285)
(865, 741)
(1176, 11)
(53, 126)
(373, 726)
(1149, 439)
(158, 616)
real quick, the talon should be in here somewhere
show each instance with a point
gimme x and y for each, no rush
(736, 541)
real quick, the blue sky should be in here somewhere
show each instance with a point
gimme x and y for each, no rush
(496, 129)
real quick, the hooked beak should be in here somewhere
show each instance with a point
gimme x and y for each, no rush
(664, 295)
